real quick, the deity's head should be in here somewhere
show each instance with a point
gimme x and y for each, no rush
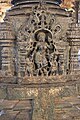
(41, 36)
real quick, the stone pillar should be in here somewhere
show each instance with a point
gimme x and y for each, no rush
(7, 44)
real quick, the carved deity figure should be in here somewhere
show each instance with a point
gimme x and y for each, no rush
(40, 48)
(39, 55)
(29, 67)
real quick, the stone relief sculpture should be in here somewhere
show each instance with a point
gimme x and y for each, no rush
(36, 44)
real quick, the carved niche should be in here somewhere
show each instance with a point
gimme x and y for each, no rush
(36, 47)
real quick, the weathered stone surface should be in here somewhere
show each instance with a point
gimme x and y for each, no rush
(8, 79)
(15, 109)
(39, 67)
(7, 104)
(23, 105)
(3, 92)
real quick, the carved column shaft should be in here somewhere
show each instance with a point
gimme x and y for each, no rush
(7, 44)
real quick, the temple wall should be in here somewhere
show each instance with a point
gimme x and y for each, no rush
(31, 96)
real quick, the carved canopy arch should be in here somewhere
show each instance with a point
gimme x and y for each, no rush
(36, 44)
(39, 19)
